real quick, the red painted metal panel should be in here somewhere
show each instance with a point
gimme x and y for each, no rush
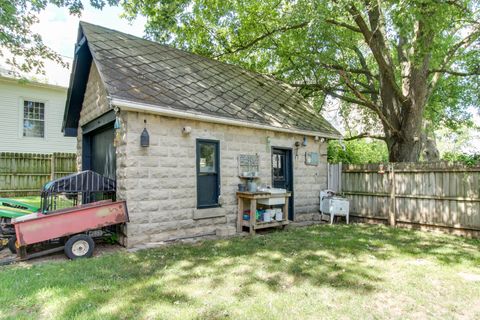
(41, 227)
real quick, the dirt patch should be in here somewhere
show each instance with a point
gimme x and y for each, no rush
(100, 249)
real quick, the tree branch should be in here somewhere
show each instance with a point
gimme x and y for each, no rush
(464, 43)
(376, 42)
(404, 64)
(358, 94)
(456, 73)
(260, 38)
(342, 24)
(360, 100)
(330, 91)
(371, 83)
(369, 104)
(362, 70)
(365, 135)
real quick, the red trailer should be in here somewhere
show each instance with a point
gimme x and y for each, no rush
(74, 210)
(74, 227)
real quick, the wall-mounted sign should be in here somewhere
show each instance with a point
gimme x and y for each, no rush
(312, 158)
(248, 165)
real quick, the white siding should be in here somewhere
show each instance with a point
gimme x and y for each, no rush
(12, 95)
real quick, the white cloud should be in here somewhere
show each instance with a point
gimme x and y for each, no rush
(59, 32)
(59, 29)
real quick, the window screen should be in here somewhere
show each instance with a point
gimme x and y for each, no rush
(33, 119)
(208, 169)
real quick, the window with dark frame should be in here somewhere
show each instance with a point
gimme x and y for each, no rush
(33, 119)
(208, 173)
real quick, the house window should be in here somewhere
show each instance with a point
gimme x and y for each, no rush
(208, 175)
(33, 119)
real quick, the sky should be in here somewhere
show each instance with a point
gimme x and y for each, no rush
(59, 29)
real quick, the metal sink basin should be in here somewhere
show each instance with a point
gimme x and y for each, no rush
(272, 190)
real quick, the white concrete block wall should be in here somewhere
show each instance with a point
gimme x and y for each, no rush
(160, 181)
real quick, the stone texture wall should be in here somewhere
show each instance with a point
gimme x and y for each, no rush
(94, 105)
(159, 182)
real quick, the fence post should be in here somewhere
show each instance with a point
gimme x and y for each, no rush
(340, 177)
(52, 171)
(391, 211)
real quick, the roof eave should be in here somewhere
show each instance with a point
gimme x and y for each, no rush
(78, 82)
(33, 83)
(166, 111)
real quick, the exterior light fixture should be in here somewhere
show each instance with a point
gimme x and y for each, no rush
(145, 137)
(304, 143)
(118, 124)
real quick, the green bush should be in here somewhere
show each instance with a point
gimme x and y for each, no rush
(468, 159)
(357, 152)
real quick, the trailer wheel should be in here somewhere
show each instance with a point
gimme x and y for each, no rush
(12, 244)
(79, 246)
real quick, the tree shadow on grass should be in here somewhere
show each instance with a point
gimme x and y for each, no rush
(321, 256)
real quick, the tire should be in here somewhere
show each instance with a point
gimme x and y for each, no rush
(12, 244)
(79, 246)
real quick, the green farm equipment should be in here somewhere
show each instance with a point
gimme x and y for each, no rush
(10, 209)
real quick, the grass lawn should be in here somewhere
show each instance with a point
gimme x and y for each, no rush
(329, 272)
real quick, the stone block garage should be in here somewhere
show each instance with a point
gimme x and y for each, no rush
(201, 116)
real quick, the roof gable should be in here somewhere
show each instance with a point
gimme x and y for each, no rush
(146, 72)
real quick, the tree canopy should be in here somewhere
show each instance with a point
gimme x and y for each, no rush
(398, 62)
(25, 50)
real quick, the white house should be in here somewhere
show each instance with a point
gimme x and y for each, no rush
(31, 111)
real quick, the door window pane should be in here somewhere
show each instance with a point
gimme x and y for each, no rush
(278, 166)
(33, 119)
(207, 158)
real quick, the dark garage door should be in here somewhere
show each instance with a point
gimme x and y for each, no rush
(99, 151)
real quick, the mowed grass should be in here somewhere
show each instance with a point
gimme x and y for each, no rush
(319, 272)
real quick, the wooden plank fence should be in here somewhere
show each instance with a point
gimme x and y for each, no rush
(23, 174)
(443, 195)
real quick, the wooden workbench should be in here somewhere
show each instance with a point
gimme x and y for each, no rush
(252, 224)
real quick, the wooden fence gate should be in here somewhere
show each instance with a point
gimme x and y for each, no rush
(23, 174)
(442, 195)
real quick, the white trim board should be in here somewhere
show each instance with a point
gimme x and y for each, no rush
(160, 110)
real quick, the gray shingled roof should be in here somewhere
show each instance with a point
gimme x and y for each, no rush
(143, 71)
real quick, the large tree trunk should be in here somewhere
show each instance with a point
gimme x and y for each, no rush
(403, 128)
(401, 149)
(408, 148)
(404, 119)
(429, 148)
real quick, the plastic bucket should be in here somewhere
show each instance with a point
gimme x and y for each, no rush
(267, 216)
(278, 215)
